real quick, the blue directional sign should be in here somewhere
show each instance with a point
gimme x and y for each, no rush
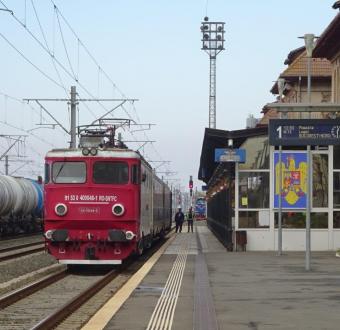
(230, 155)
(302, 132)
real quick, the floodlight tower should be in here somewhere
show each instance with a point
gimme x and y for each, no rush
(212, 44)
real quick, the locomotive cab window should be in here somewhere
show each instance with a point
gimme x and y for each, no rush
(111, 172)
(135, 174)
(47, 173)
(69, 172)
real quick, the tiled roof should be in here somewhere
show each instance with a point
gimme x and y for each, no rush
(321, 67)
(294, 54)
(328, 44)
(269, 114)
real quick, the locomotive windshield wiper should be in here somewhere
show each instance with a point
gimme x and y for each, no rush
(61, 168)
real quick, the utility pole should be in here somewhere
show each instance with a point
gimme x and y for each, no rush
(6, 165)
(73, 130)
(73, 101)
(16, 140)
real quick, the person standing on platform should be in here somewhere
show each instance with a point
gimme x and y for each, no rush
(179, 218)
(190, 220)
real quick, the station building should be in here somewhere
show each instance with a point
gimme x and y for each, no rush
(243, 196)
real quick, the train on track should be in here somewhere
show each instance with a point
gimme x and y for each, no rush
(21, 204)
(103, 201)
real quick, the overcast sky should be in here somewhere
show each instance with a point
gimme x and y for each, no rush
(151, 50)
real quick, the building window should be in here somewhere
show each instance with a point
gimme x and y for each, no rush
(297, 220)
(253, 219)
(336, 189)
(320, 180)
(336, 157)
(253, 190)
(336, 219)
(257, 150)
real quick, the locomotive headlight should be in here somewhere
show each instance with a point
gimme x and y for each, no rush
(60, 209)
(93, 151)
(118, 210)
(85, 151)
(49, 233)
(129, 235)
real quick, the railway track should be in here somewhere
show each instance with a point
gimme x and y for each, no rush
(17, 251)
(20, 236)
(49, 302)
(13, 297)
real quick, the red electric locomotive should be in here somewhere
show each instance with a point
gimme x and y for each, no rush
(102, 202)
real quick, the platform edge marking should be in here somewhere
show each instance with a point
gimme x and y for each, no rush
(112, 306)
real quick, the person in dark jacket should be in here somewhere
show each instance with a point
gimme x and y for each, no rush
(179, 218)
(190, 220)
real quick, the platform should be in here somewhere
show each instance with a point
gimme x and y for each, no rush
(197, 284)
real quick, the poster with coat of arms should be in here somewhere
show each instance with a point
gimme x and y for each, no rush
(294, 180)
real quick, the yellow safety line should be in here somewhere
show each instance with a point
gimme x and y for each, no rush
(105, 314)
(163, 314)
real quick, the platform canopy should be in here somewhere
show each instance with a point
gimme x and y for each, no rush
(217, 138)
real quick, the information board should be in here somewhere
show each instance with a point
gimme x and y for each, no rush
(302, 132)
(230, 155)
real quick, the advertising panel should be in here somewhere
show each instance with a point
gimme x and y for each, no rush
(294, 180)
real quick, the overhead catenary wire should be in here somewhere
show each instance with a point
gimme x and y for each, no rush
(46, 43)
(46, 49)
(29, 133)
(23, 103)
(71, 74)
(30, 62)
(65, 48)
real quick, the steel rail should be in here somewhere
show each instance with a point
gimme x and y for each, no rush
(51, 321)
(9, 238)
(18, 247)
(26, 291)
(54, 319)
(21, 254)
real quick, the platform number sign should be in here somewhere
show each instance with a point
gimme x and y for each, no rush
(302, 132)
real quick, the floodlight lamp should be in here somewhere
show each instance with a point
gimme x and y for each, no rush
(219, 37)
(281, 86)
(219, 28)
(220, 47)
(309, 43)
(206, 36)
(206, 18)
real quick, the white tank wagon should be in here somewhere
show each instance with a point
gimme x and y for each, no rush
(21, 203)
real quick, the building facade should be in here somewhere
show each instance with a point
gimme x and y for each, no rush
(244, 196)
